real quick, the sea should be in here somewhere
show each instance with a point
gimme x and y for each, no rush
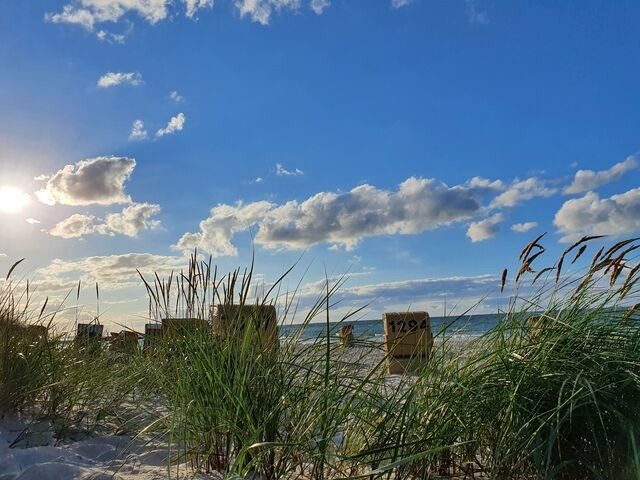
(467, 327)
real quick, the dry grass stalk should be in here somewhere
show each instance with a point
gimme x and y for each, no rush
(579, 254)
(534, 244)
(542, 272)
(503, 280)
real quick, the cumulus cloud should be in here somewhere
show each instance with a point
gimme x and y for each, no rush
(97, 181)
(137, 131)
(32, 221)
(400, 3)
(113, 79)
(89, 13)
(523, 227)
(176, 124)
(260, 11)
(217, 232)
(586, 180)
(485, 229)
(521, 190)
(592, 215)
(319, 6)
(130, 222)
(75, 226)
(283, 172)
(343, 219)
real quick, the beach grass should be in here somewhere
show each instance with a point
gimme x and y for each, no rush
(552, 392)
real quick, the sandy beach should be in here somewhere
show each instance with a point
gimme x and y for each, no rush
(30, 451)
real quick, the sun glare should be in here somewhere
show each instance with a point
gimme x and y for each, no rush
(13, 199)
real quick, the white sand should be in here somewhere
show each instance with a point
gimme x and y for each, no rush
(32, 453)
(36, 455)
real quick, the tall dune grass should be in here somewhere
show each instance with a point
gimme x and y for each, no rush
(552, 392)
(46, 376)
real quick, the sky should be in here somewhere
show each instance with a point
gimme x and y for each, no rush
(414, 145)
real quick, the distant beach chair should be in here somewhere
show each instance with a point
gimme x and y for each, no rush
(172, 327)
(238, 321)
(346, 335)
(408, 340)
(152, 335)
(36, 332)
(535, 327)
(124, 341)
(89, 331)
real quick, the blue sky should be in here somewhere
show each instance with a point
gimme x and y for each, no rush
(399, 140)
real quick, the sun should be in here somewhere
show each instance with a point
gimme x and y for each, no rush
(12, 199)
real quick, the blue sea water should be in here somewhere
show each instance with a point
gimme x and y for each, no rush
(466, 327)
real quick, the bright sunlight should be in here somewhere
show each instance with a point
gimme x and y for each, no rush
(12, 199)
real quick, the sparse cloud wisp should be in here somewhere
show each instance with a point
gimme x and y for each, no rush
(176, 124)
(113, 79)
(138, 131)
(283, 172)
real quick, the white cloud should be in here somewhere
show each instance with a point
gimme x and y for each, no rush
(257, 180)
(485, 229)
(130, 222)
(283, 172)
(175, 96)
(591, 215)
(521, 190)
(112, 79)
(93, 181)
(110, 269)
(461, 292)
(32, 221)
(343, 219)
(523, 227)
(400, 3)
(110, 37)
(475, 16)
(89, 13)
(217, 231)
(260, 11)
(176, 124)
(319, 6)
(73, 16)
(137, 131)
(75, 226)
(192, 6)
(586, 180)
(409, 290)
(2, 255)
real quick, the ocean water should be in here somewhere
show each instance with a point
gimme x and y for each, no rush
(466, 327)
